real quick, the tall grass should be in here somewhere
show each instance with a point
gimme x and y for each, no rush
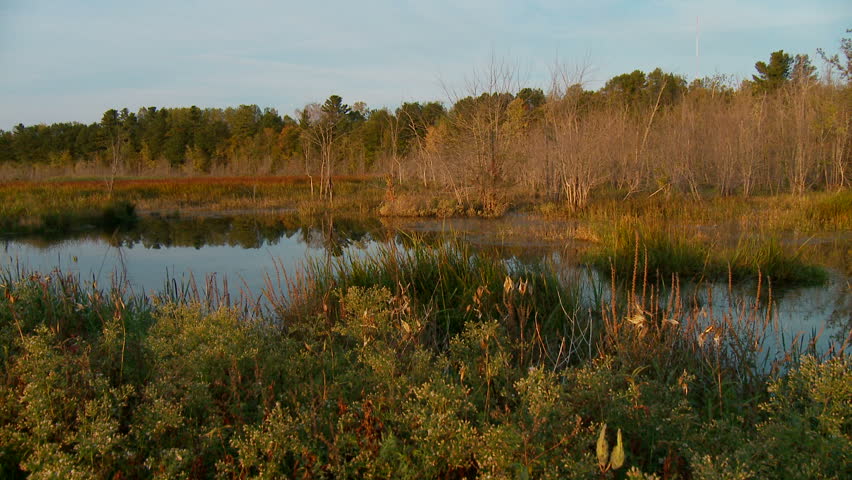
(829, 211)
(664, 252)
(450, 285)
(752, 257)
(811, 213)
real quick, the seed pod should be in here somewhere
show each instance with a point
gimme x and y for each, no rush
(603, 449)
(617, 457)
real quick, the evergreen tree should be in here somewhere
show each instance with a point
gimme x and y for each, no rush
(775, 74)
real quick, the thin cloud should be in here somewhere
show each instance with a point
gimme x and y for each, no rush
(62, 61)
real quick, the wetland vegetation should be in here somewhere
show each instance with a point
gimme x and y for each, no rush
(637, 355)
(424, 362)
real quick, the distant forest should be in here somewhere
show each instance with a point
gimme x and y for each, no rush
(787, 129)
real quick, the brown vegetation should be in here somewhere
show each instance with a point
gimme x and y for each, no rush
(784, 132)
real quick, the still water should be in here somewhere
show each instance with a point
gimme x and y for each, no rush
(243, 252)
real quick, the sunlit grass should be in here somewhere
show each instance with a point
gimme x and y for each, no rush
(65, 205)
(809, 213)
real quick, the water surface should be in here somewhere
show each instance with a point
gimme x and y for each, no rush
(244, 252)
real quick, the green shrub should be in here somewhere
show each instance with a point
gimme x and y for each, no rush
(57, 222)
(808, 423)
(70, 419)
(354, 384)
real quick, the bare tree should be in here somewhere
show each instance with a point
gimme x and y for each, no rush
(307, 117)
(393, 129)
(324, 126)
(113, 124)
(801, 166)
(476, 120)
(576, 151)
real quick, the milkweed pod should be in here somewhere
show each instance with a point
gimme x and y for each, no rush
(617, 457)
(603, 448)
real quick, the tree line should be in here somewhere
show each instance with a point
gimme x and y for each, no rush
(785, 129)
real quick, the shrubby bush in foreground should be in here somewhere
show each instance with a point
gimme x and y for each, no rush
(361, 380)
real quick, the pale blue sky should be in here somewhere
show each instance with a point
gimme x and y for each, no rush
(72, 60)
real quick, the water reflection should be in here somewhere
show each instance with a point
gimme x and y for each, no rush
(241, 251)
(239, 247)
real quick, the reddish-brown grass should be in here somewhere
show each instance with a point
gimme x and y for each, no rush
(156, 182)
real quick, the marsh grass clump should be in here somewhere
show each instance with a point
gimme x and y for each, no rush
(824, 212)
(661, 253)
(812, 213)
(767, 256)
(56, 222)
(62, 206)
(451, 283)
(419, 204)
(414, 201)
(63, 303)
(115, 214)
(121, 213)
(612, 206)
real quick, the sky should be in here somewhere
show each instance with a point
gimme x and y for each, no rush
(71, 60)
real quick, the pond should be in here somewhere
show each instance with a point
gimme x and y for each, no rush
(242, 253)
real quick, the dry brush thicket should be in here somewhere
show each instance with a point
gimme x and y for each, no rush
(649, 133)
(729, 143)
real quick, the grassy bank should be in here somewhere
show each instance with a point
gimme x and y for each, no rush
(28, 206)
(813, 212)
(431, 363)
(808, 213)
(45, 207)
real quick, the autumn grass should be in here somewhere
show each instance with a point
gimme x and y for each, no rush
(31, 207)
(817, 212)
(813, 212)
(45, 206)
(415, 203)
(664, 251)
